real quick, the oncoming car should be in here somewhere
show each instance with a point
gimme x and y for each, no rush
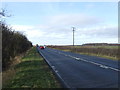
(42, 47)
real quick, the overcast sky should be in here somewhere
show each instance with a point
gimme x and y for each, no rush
(50, 23)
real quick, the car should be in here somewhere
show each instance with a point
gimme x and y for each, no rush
(42, 47)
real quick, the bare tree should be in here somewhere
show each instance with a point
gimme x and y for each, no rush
(4, 13)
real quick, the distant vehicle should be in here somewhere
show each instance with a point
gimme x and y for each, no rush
(42, 47)
(37, 45)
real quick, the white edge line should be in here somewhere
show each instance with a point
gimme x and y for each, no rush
(56, 72)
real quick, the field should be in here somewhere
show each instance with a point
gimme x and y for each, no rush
(110, 52)
(32, 72)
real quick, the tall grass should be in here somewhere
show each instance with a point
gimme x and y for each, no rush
(110, 52)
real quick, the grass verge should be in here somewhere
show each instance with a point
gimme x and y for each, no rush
(100, 55)
(108, 52)
(92, 54)
(33, 72)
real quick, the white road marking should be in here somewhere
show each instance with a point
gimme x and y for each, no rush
(66, 55)
(103, 66)
(77, 58)
(100, 65)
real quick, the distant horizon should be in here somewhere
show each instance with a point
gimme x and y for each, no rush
(82, 44)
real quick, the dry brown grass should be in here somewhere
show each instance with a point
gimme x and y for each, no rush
(9, 73)
(110, 52)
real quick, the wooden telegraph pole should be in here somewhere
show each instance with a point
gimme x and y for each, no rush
(73, 34)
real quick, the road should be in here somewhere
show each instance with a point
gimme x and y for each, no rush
(82, 71)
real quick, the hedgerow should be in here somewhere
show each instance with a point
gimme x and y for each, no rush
(13, 43)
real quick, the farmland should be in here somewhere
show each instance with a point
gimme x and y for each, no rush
(110, 52)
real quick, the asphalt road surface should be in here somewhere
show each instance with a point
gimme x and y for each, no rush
(82, 71)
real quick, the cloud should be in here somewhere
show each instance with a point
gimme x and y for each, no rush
(58, 30)
(29, 31)
(90, 6)
(73, 20)
(100, 31)
(98, 34)
(63, 23)
(22, 27)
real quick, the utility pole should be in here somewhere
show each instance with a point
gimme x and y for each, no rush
(73, 34)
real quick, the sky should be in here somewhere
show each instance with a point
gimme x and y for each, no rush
(50, 23)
